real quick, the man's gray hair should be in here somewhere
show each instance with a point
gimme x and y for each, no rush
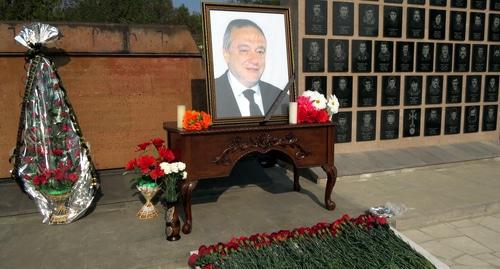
(238, 23)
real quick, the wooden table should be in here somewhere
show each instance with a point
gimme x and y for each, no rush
(212, 153)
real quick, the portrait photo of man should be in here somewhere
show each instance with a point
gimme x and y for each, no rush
(457, 25)
(383, 56)
(443, 57)
(411, 122)
(366, 125)
(479, 56)
(476, 26)
(367, 91)
(390, 124)
(491, 88)
(471, 122)
(415, 22)
(434, 93)
(490, 117)
(392, 21)
(338, 55)
(494, 58)
(405, 56)
(478, 4)
(452, 120)
(454, 89)
(432, 121)
(473, 89)
(343, 130)
(342, 88)
(391, 87)
(313, 55)
(440, 3)
(368, 20)
(425, 57)
(316, 83)
(462, 58)
(343, 18)
(494, 29)
(316, 17)
(437, 24)
(362, 59)
(413, 90)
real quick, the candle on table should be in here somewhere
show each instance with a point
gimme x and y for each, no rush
(181, 109)
(292, 113)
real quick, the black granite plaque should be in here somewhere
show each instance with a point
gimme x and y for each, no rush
(476, 26)
(434, 92)
(338, 55)
(471, 120)
(316, 17)
(443, 57)
(343, 130)
(316, 83)
(368, 20)
(413, 90)
(479, 56)
(425, 57)
(452, 120)
(490, 117)
(491, 89)
(437, 24)
(342, 88)
(454, 89)
(440, 3)
(394, 1)
(391, 86)
(473, 89)
(389, 124)
(459, 3)
(416, 2)
(367, 91)
(494, 28)
(415, 22)
(383, 56)
(392, 21)
(495, 5)
(361, 59)
(411, 122)
(343, 22)
(404, 56)
(457, 25)
(494, 58)
(478, 4)
(462, 58)
(432, 121)
(366, 125)
(313, 55)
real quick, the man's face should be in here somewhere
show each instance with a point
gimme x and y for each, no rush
(367, 119)
(437, 20)
(362, 47)
(393, 15)
(496, 22)
(369, 14)
(473, 112)
(458, 19)
(477, 20)
(246, 56)
(435, 82)
(316, 85)
(453, 115)
(405, 49)
(368, 85)
(491, 113)
(344, 12)
(383, 48)
(391, 118)
(342, 84)
(316, 10)
(392, 83)
(444, 51)
(425, 50)
(342, 121)
(338, 49)
(496, 53)
(492, 82)
(454, 83)
(480, 52)
(474, 82)
(434, 114)
(416, 15)
(314, 47)
(414, 86)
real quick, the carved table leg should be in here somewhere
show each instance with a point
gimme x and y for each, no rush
(296, 183)
(187, 189)
(172, 223)
(331, 172)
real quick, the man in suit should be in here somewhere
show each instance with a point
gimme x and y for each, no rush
(239, 91)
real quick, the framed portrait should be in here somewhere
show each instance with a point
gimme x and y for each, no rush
(490, 117)
(452, 120)
(425, 57)
(366, 125)
(367, 91)
(444, 52)
(342, 88)
(437, 24)
(338, 55)
(494, 27)
(415, 22)
(462, 58)
(473, 89)
(434, 90)
(383, 56)
(476, 26)
(405, 56)
(439, 3)
(316, 83)
(361, 56)
(343, 18)
(313, 55)
(478, 4)
(413, 90)
(471, 119)
(494, 58)
(368, 20)
(432, 121)
(458, 20)
(411, 122)
(391, 88)
(316, 17)
(491, 88)
(392, 21)
(389, 128)
(343, 131)
(495, 5)
(459, 3)
(249, 62)
(454, 89)
(479, 56)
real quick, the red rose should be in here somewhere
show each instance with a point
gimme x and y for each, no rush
(73, 177)
(158, 142)
(130, 165)
(58, 174)
(39, 180)
(57, 152)
(192, 260)
(143, 146)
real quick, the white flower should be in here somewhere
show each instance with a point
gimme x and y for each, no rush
(174, 168)
(165, 167)
(333, 105)
(318, 100)
(184, 175)
(182, 166)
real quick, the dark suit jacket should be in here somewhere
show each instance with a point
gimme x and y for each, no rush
(227, 106)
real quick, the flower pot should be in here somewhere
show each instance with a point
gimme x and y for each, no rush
(59, 210)
(148, 210)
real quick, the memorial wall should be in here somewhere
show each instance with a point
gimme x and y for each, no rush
(406, 73)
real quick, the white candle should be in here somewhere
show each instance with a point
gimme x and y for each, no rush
(292, 113)
(181, 109)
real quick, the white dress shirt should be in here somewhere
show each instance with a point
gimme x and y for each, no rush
(243, 103)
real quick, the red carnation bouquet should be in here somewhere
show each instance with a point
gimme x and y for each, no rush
(313, 107)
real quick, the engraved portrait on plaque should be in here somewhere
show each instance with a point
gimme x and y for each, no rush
(361, 59)
(479, 56)
(443, 57)
(313, 55)
(368, 20)
(425, 57)
(473, 89)
(365, 125)
(494, 58)
(342, 88)
(392, 21)
(459, 3)
(390, 124)
(490, 117)
(343, 22)
(413, 90)
(317, 84)
(452, 120)
(432, 121)
(367, 91)
(383, 56)
(462, 58)
(343, 130)
(476, 26)
(457, 25)
(471, 120)
(391, 90)
(494, 29)
(415, 22)
(411, 122)
(404, 56)
(491, 89)
(478, 4)
(437, 24)
(495, 5)
(440, 3)
(434, 93)
(454, 89)
(338, 55)
(316, 17)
